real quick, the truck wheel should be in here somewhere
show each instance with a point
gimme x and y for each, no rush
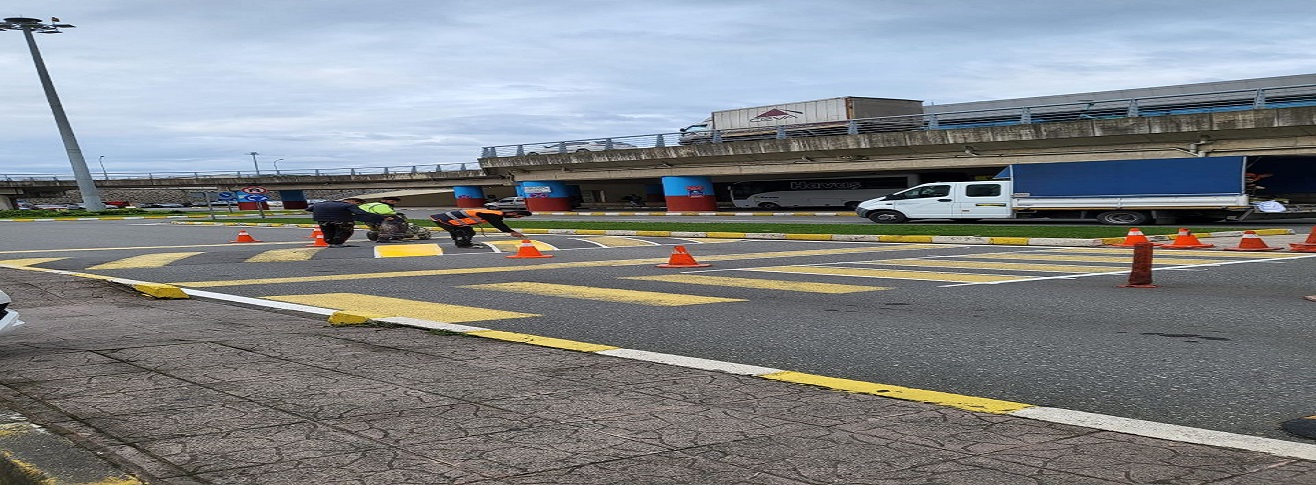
(887, 217)
(1123, 218)
(769, 205)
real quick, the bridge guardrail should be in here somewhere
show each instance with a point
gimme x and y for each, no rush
(441, 167)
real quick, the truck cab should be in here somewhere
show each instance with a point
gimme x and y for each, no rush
(941, 200)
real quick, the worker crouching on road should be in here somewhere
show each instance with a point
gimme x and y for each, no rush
(337, 219)
(392, 229)
(459, 223)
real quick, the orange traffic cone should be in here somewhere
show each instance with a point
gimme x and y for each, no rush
(681, 259)
(1135, 236)
(319, 241)
(316, 233)
(243, 237)
(1251, 242)
(1309, 246)
(528, 250)
(1186, 240)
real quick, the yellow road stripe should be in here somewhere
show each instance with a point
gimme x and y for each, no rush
(146, 261)
(515, 245)
(556, 343)
(652, 298)
(382, 306)
(407, 250)
(889, 273)
(148, 247)
(1191, 252)
(543, 266)
(27, 261)
(762, 284)
(617, 241)
(1127, 258)
(280, 255)
(950, 263)
(971, 403)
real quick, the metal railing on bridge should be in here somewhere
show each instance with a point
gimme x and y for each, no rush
(1219, 101)
(404, 169)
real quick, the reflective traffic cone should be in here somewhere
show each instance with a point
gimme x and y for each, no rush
(1308, 246)
(243, 237)
(1251, 242)
(319, 241)
(1135, 236)
(316, 233)
(1186, 240)
(528, 250)
(681, 259)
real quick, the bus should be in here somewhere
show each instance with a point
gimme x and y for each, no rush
(831, 192)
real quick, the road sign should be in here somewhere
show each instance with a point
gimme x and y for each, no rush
(226, 196)
(257, 198)
(255, 189)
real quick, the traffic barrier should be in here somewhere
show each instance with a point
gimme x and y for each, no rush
(682, 259)
(1251, 242)
(528, 250)
(1140, 275)
(319, 241)
(1308, 246)
(1186, 240)
(1134, 237)
(243, 237)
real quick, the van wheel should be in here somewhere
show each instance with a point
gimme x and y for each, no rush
(1123, 218)
(887, 217)
(769, 205)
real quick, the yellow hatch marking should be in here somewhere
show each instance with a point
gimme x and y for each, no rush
(888, 273)
(761, 284)
(146, 247)
(543, 266)
(407, 250)
(146, 261)
(960, 401)
(27, 261)
(515, 245)
(604, 294)
(279, 255)
(1126, 259)
(382, 306)
(617, 241)
(950, 263)
(1188, 252)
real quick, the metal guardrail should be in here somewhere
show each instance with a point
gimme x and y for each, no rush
(442, 167)
(1219, 101)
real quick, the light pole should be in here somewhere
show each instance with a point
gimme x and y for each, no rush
(101, 161)
(91, 196)
(276, 166)
(254, 162)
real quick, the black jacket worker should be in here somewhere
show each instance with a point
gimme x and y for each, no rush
(337, 219)
(458, 223)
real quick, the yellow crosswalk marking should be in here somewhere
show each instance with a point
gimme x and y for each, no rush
(689, 279)
(1127, 258)
(1188, 252)
(514, 246)
(281, 255)
(892, 274)
(603, 294)
(146, 260)
(27, 261)
(407, 250)
(617, 241)
(382, 306)
(1013, 266)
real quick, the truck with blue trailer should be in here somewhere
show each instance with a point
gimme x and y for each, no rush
(1118, 192)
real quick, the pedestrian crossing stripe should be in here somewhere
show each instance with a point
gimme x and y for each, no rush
(407, 250)
(1189, 252)
(156, 260)
(951, 263)
(1126, 259)
(892, 274)
(512, 246)
(616, 241)
(283, 255)
(383, 307)
(617, 295)
(762, 284)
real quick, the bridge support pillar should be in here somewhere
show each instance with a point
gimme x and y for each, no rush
(689, 193)
(549, 195)
(293, 199)
(653, 193)
(469, 196)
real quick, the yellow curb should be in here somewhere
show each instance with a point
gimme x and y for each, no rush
(726, 235)
(654, 233)
(905, 239)
(809, 237)
(343, 319)
(161, 291)
(556, 343)
(969, 403)
(1011, 241)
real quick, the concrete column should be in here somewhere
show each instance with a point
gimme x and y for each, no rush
(549, 195)
(469, 196)
(689, 193)
(293, 199)
(653, 193)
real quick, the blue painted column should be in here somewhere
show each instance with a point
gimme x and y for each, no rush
(468, 196)
(689, 193)
(293, 199)
(550, 195)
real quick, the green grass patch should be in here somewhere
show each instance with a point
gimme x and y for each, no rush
(977, 229)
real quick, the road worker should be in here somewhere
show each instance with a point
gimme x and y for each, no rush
(393, 229)
(459, 223)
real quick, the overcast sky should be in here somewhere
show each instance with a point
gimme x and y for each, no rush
(174, 85)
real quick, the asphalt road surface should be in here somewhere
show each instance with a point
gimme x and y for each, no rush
(1225, 342)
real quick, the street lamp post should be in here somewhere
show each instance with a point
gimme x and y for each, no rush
(254, 162)
(101, 161)
(276, 166)
(91, 196)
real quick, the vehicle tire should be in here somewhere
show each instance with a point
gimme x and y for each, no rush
(769, 205)
(1123, 218)
(887, 217)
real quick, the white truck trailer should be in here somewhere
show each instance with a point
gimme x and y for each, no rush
(820, 117)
